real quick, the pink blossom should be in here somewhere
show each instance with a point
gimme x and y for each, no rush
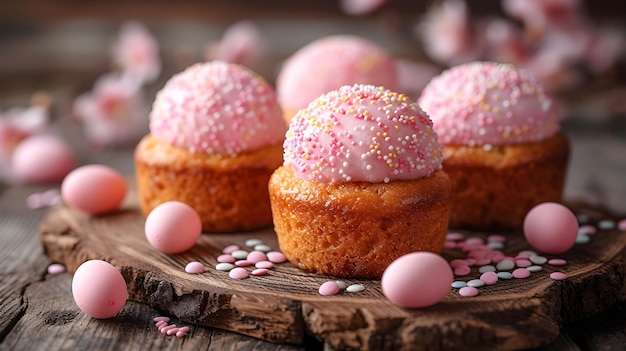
(17, 124)
(241, 43)
(447, 34)
(539, 15)
(360, 7)
(114, 112)
(136, 52)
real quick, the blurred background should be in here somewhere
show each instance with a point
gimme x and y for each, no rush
(67, 57)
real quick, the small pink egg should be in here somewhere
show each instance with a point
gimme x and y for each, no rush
(42, 159)
(550, 228)
(417, 279)
(95, 189)
(173, 227)
(99, 289)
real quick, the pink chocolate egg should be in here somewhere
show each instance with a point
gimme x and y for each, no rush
(550, 228)
(95, 189)
(173, 227)
(42, 159)
(99, 289)
(416, 280)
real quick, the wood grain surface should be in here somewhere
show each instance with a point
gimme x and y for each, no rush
(284, 306)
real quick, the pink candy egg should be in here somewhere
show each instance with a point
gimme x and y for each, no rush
(42, 159)
(95, 189)
(417, 279)
(550, 228)
(173, 227)
(99, 289)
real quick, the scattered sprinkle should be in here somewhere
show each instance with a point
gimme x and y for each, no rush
(468, 291)
(194, 267)
(558, 275)
(329, 288)
(224, 266)
(521, 273)
(238, 273)
(457, 284)
(355, 288)
(557, 262)
(56, 268)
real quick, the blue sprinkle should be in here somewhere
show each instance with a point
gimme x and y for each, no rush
(458, 284)
(606, 224)
(505, 275)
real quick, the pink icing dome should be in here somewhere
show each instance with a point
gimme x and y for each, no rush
(362, 133)
(330, 62)
(483, 103)
(217, 107)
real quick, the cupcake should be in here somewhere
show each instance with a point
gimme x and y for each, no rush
(328, 63)
(502, 144)
(216, 133)
(361, 183)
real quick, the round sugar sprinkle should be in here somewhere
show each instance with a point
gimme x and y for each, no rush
(264, 264)
(239, 254)
(56, 268)
(582, 238)
(505, 265)
(262, 247)
(468, 291)
(458, 262)
(538, 259)
(557, 262)
(256, 256)
(621, 225)
(521, 273)
(527, 253)
(243, 263)
(606, 224)
(487, 268)
(276, 257)
(534, 268)
(329, 288)
(496, 245)
(489, 278)
(194, 267)
(253, 242)
(355, 288)
(558, 275)
(238, 273)
(226, 258)
(225, 267)
(342, 285)
(230, 248)
(476, 283)
(260, 271)
(457, 284)
(523, 263)
(587, 229)
(455, 236)
(495, 238)
(462, 270)
(505, 275)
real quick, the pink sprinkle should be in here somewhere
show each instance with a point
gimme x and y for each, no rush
(496, 238)
(256, 256)
(194, 267)
(33, 201)
(260, 271)
(588, 228)
(264, 264)
(329, 288)
(161, 318)
(621, 225)
(497, 256)
(182, 331)
(468, 291)
(166, 328)
(243, 263)
(455, 236)
(521, 273)
(172, 331)
(56, 268)
(483, 262)
(557, 262)
(226, 258)
(470, 261)
(276, 257)
(458, 262)
(238, 273)
(474, 241)
(489, 278)
(558, 275)
(523, 263)
(523, 255)
(230, 248)
(160, 324)
(462, 270)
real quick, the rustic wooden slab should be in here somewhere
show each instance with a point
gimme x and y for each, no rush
(284, 306)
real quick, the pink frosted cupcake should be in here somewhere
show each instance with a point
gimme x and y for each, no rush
(503, 148)
(328, 63)
(361, 184)
(216, 133)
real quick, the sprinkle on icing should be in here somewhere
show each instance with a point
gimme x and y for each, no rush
(487, 103)
(217, 107)
(362, 133)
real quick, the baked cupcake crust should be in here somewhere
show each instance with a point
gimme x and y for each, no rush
(229, 193)
(495, 187)
(357, 229)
